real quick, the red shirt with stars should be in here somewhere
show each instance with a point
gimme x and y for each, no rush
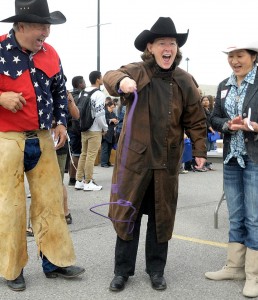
(39, 77)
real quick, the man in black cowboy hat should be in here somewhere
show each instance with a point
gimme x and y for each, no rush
(168, 105)
(32, 92)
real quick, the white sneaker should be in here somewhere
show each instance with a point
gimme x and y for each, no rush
(92, 186)
(79, 185)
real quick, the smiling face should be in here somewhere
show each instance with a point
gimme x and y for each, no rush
(32, 35)
(164, 50)
(241, 62)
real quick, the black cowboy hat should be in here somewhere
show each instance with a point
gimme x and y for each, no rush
(164, 27)
(35, 11)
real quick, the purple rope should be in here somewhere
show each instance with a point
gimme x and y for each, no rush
(115, 188)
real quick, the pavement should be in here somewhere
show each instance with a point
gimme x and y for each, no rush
(196, 247)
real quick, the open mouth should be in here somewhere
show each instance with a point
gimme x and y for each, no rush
(166, 57)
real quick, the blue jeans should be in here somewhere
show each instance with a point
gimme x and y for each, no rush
(31, 157)
(241, 190)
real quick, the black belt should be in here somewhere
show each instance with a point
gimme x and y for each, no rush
(31, 134)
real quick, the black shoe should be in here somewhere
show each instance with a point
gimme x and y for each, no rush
(158, 282)
(118, 283)
(17, 284)
(66, 272)
(69, 219)
(72, 181)
(105, 166)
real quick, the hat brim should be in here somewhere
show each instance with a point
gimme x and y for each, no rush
(55, 17)
(146, 37)
(231, 49)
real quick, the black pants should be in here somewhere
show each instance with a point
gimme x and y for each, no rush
(106, 149)
(155, 253)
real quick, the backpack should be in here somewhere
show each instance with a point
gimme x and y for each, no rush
(85, 107)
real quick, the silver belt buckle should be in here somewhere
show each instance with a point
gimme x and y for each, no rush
(31, 134)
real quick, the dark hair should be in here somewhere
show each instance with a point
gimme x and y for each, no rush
(76, 81)
(150, 59)
(109, 103)
(94, 75)
(253, 53)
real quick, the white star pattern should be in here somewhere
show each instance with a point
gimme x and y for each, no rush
(16, 59)
(59, 122)
(14, 64)
(8, 46)
(2, 60)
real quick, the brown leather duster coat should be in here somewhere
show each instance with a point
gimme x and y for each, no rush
(168, 104)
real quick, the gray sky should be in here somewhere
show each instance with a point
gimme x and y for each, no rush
(212, 25)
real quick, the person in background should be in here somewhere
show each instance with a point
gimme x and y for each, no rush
(205, 101)
(91, 139)
(32, 92)
(235, 115)
(62, 155)
(182, 169)
(108, 140)
(74, 131)
(120, 114)
(168, 104)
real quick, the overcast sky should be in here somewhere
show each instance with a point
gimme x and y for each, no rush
(212, 26)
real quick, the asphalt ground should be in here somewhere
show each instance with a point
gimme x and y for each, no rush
(196, 247)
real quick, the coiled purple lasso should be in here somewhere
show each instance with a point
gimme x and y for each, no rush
(115, 188)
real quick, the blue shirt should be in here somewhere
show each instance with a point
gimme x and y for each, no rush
(234, 106)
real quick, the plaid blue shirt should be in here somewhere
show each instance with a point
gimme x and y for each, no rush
(234, 105)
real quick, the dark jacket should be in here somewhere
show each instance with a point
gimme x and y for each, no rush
(110, 135)
(168, 103)
(74, 124)
(220, 117)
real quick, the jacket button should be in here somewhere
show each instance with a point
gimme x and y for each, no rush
(244, 114)
(246, 140)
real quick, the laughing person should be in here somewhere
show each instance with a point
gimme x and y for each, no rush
(168, 104)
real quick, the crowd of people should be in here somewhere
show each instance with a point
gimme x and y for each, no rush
(40, 120)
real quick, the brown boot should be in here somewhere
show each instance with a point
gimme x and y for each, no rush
(251, 270)
(235, 267)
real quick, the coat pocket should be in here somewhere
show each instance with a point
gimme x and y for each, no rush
(135, 156)
(174, 156)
